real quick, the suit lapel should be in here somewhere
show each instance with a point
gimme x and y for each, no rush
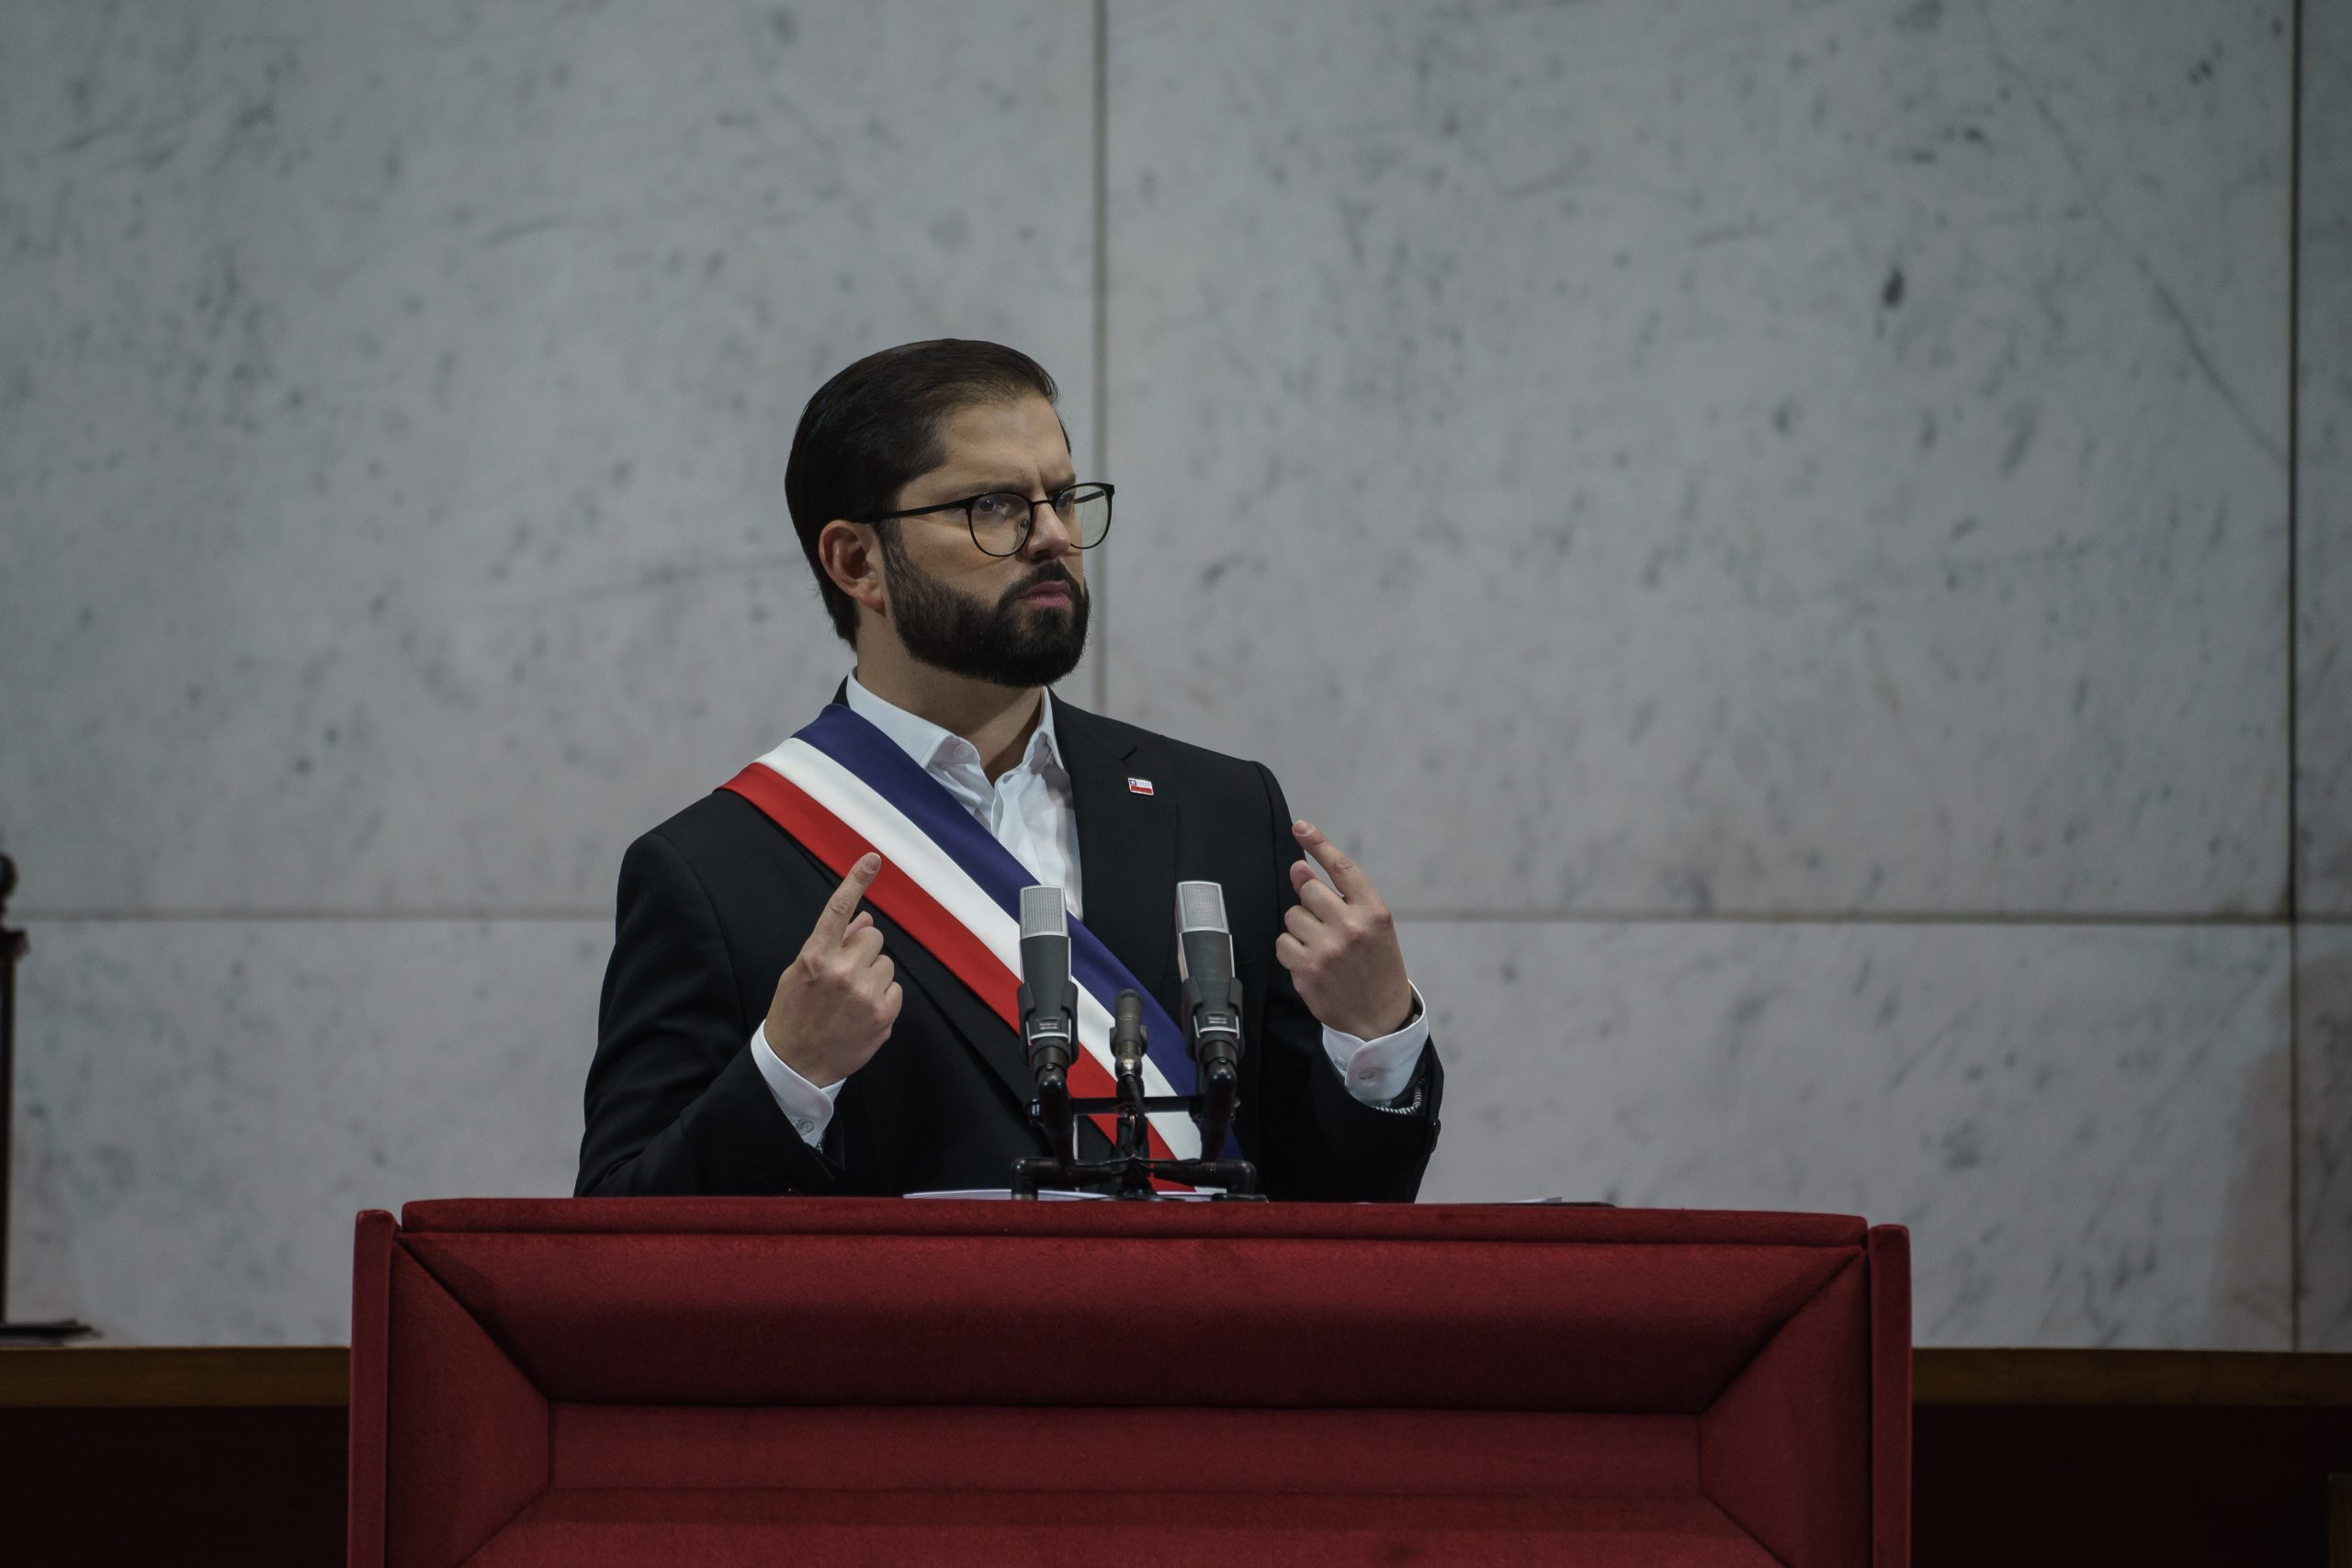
(999, 1048)
(1126, 845)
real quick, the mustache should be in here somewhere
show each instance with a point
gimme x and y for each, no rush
(1052, 572)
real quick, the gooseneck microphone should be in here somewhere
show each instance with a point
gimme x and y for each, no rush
(1049, 1001)
(1128, 1047)
(1212, 1015)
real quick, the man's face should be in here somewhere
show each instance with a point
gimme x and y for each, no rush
(1017, 620)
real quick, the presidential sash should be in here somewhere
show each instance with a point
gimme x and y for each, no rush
(840, 787)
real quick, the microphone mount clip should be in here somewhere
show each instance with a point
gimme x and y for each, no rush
(1131, 1171)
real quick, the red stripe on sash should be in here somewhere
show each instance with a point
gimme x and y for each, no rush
(922, 916)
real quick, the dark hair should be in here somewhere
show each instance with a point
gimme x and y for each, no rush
(875, 427)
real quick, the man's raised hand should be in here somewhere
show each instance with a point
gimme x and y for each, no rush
(835, 1003)
(1339, 944)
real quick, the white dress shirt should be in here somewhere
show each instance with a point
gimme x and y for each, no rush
(1029, 811)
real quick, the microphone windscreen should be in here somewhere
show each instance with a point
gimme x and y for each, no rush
(1203, 945)
(1211, 1001)
(1200, 907)
(1043, 912)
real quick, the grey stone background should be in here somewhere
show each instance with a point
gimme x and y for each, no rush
(1806, 545)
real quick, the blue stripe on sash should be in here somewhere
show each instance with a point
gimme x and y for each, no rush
(884, 767)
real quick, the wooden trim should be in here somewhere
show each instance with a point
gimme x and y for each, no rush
(123, 1375)
(2129, 1377)
(276, 1375)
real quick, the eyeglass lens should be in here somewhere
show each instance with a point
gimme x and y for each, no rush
(1001, 522)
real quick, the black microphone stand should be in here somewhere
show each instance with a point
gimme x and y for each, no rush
(1048, 1049)
(1213, 1021)
(13, 946)
(1130, 1170)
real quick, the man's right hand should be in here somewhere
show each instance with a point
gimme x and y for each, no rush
(835, 1003)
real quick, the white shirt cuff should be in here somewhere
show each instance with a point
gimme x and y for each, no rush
(1377, 1071)
(807, 1107)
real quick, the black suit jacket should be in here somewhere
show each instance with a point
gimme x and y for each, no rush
(715, 901)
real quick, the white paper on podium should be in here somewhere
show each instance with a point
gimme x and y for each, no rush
(1047, 1195)
(1054, 1195)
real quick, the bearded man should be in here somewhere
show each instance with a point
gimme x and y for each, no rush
(789, 1009)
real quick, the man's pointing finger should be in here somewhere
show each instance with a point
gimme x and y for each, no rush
(834, 924)
(1346, 875)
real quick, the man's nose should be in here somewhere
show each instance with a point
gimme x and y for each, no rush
(1048, 535)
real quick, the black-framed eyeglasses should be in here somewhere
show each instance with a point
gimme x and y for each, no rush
(1000, 519)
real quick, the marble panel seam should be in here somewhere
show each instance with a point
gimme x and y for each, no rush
(1099, 690)
(2135, 918)
(2294, 465)
(2226, 919)
(546, 914)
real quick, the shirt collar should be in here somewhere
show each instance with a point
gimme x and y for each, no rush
(935, 749)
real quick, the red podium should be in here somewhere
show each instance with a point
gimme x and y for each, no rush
(852, 1380)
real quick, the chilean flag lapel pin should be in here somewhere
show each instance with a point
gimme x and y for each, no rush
(1139, 786)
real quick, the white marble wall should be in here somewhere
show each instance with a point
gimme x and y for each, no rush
(2323, 1170)
(1765, 523)
(1753, 460)
(1818, 458)
(207, 1103)
(2081, 1125)
(2323, 526)
(398, 397)
(2324, 682)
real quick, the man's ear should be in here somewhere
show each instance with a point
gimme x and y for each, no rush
(853, 559)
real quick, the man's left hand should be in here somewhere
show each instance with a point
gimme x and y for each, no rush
(1339, 944)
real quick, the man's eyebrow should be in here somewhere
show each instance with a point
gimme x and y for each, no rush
(992, 486)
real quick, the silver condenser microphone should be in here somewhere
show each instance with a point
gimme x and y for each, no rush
(1049, 1001)
(1212, 1016)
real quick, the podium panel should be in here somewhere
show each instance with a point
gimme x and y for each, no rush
(852, 1380)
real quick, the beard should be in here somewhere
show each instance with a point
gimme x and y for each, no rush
(1006, 644)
